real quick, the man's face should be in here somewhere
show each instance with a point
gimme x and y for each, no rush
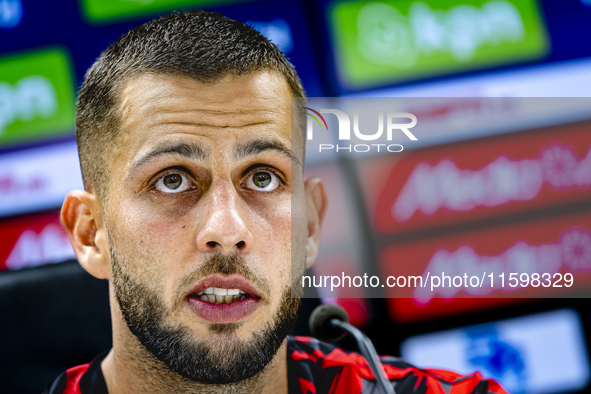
(204, 190)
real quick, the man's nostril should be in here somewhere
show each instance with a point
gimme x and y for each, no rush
(212, 244)
(240, 244)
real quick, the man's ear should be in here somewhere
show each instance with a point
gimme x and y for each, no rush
(82, 218)
(316, 203)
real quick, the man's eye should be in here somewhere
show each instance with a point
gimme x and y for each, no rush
(173, 183)
(264, 181)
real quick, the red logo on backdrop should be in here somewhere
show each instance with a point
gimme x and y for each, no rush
(555, 245)
(482, 179)
(33, 240)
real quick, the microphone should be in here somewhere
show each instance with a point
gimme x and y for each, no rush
(329, 323)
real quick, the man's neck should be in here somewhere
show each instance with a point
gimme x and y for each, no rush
(133, 369)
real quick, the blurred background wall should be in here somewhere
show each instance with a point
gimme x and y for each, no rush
(468, 50)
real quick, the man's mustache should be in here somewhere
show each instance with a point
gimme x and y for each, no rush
(225, 264)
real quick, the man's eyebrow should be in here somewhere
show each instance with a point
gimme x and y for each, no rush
(189, 150)
(255, 147)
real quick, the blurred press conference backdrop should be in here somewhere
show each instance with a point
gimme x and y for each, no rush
(467, 51)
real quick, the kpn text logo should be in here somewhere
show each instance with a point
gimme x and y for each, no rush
(36, 96)
(390, 125)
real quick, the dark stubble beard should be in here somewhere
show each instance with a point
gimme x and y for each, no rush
(224, 361)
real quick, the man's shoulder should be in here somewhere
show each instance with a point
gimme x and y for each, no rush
(69, 381)
(318, 367)
(82, 379)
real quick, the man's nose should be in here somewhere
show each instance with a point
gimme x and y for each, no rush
(225, 229)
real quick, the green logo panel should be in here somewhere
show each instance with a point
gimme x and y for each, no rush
(36, 96)
(104, 10)
(391, 41)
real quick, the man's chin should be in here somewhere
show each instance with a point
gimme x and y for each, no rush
(227, 353)
(223, 358)
(225, 329)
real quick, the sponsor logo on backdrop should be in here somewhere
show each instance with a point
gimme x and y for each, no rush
(30, 98)
(511, 174)
(383, 41)
(11, 13)
(431, 188)
(396, 123)
(39, 178)
(101, 10)
(51, 245)
(36, 96)
(515, 352)
(11, 184)
(278, 32)
(546, 257)
(388, 37)
(571, 253)
(33, 240)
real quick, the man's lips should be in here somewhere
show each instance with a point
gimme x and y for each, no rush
(226, 282)
(224, 312)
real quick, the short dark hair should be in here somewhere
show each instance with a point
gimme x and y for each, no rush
(201, 45)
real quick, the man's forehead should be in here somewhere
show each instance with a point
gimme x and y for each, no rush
(229, 101)
(154, 107)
